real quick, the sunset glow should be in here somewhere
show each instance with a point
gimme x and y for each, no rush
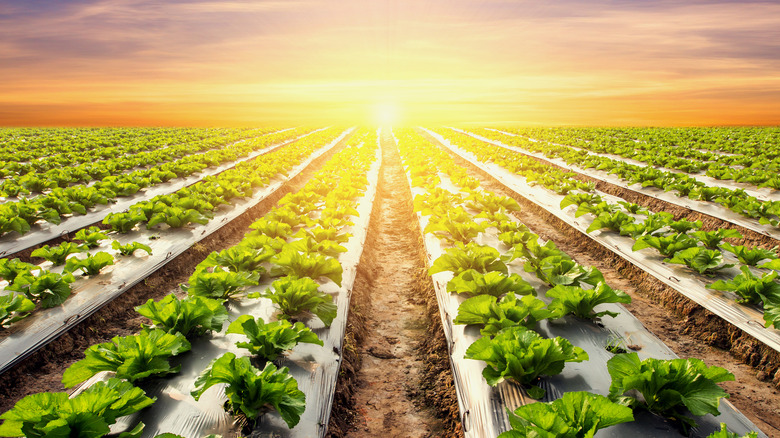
(143, 62)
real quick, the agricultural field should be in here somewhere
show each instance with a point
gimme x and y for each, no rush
(423, 281)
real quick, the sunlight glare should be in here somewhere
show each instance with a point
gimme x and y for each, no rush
(386, 114)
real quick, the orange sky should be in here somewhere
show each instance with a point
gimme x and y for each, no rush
(144, 62)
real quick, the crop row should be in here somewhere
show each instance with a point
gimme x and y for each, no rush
(479, 247)
(680, 241)
(229, 195)
(52, 207)
(297, 249)
(735, 200)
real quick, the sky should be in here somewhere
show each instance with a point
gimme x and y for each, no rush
(246, 63)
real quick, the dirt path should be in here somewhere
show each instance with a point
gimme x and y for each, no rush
(387, 386)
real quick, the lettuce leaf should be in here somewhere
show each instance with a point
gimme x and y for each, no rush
(192, 315)
(492, 283)
(575, 415)
(496, 315)
(131, 357)
(270, 340)
(299, 295)
(580, 302)
(522, 355)
(253, 392)
(481, 258)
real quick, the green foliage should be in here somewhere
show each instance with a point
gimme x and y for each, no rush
(221, 285)
(702, 260)
(711, 239)
(666, 245)
(496, 315)
(90, 236)
(270, 340)
(124, 222)
(298, 295)
(456, 225)
(750, 256)
(239, 258)
(724, 433)
(612, 221)
(48, 289)
(177, 217)
(493, 283)
(668, 387)
(131, 357)
(192, 315)
(91, 265)
(481, 258)
(251, 391)
(308, 245)
(272, 228)
(522, 355)
(291, 262)
(580, 302)
(130, 248)
(575, 415)
(560, 270)
(87, 415)
(14, 307)
(57, 255)
(11, 268)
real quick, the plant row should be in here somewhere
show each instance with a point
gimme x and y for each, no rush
(679, 241)
(52, 207)
(196, 204)
(507, 310)
(98, 162)
(295, 247)
(736, 200)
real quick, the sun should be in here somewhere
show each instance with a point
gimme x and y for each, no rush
(386, 114)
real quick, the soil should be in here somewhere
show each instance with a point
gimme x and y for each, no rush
(688, 329)
(400, 383)
(42, 371)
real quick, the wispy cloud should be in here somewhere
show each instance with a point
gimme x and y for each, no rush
(553, 62)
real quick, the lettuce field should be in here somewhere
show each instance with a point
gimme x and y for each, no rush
(428, 281)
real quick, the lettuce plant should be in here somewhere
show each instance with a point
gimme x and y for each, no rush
(239, 258)
(611, 221)
(177, 217)
(560, 270)
(221, 285)
(492, 283)
(580, 302)
(253, 392)
(328, 233)
(308, 245)
(711, 239)
(454, 226)
(481, 258)
(724, 433)
(683, 226)
(58, 254)
(522, 355)
(574, 415)
(750, 256)
(86, 415)
(666, 245)
(124, 222)
(668, 387)
(270, 340)
(48, 289)
(495, 315)
(132, 357)
(130, 248)
(14, 307)
(702, 260)
(91, 265)
(272, 228)
(300, 295)
(12, 268)
(90, 236)
(192, 315)
(291, 262)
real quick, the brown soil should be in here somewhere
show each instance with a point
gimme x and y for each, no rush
(687, 328)
(43, 370)
(400, 384)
